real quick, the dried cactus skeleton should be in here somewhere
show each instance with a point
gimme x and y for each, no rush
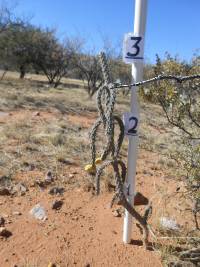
(109, 122)
(106, 97)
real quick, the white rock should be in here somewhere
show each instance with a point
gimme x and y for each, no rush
(169, 224)
(38, 212)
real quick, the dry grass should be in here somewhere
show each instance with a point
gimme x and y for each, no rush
(47, 142)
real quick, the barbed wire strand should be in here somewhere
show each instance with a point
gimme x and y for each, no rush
(178, 79)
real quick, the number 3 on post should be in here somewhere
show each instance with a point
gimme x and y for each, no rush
(133, 47)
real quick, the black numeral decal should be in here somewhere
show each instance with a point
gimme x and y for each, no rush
(137, 48)
(133, 130)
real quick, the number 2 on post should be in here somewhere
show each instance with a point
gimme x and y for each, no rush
(133, 122)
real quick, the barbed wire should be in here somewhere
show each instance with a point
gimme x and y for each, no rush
(106, 98)
(178, 79)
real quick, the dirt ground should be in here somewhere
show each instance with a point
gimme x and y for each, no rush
(84, 231)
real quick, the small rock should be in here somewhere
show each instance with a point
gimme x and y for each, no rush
(38, 212)
(40, 183)
(4, 191)
(37, 113)
(17, 213)
(140, 199)
(19, 189)
(169, 224)
(57, 204)
(116, 213)
(49, 177)
(2, 221)
(71, 175)
(56, 190)
(4, 232)
(52, 265)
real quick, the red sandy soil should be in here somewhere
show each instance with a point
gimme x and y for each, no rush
(83, 232)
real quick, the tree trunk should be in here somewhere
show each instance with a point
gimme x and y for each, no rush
(22, 72)
(57, 82)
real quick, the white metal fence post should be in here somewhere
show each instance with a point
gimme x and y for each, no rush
(137, 73)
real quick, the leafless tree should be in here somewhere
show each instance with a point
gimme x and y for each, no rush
(90, 71)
